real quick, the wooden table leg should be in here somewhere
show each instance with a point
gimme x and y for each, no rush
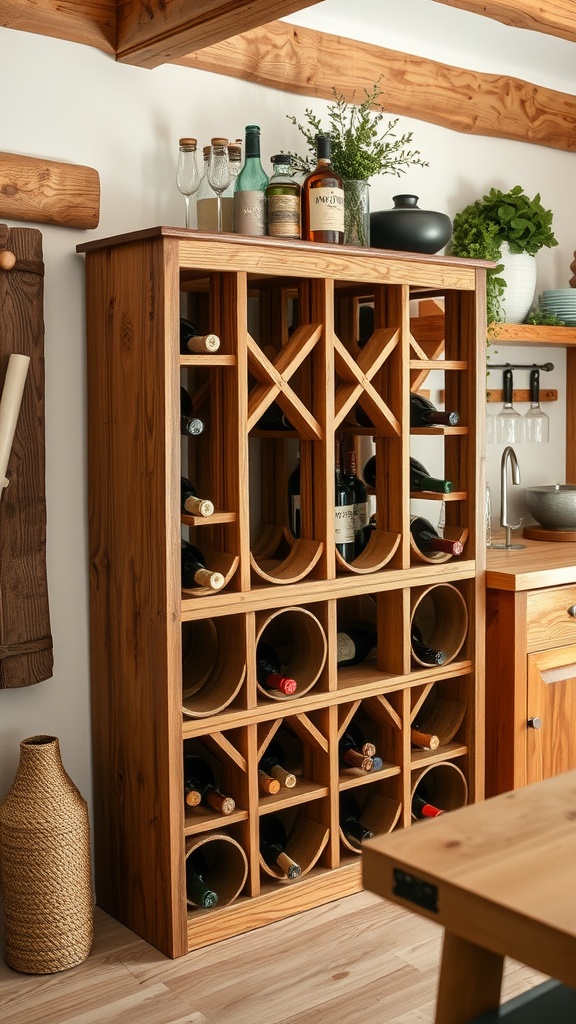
(470, 981)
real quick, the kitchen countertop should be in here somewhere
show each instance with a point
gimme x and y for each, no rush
(538, 564)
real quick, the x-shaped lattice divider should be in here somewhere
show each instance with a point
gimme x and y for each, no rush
(273, 378)
(356, 376)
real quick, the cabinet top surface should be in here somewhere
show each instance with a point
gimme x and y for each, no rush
(538, 564)
(193, 235)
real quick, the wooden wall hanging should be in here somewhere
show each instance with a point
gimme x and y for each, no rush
(49, 191)
(25, 640)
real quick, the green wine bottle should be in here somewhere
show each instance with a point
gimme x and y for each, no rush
(250, 188)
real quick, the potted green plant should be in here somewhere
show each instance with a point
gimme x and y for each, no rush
(361, 148)
(499, 225)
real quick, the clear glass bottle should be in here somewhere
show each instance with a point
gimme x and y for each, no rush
(249, 192)
(323, 199)
(283, 199)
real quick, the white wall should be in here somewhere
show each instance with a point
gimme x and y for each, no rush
(68, 102)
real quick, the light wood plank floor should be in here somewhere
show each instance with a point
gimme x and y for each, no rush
(357, 959)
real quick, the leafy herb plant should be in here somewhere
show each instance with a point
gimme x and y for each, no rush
(481, 227)
(361, 145)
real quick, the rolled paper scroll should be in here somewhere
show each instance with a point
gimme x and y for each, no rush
(10, 403)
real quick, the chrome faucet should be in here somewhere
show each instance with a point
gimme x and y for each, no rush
(508, 456)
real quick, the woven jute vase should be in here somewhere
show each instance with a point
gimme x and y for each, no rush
(45, 864)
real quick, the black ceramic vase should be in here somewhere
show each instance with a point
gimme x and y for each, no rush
(408, 228)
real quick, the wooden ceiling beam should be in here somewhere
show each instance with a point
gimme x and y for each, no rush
(298, 60)
(153, 32)
(91, 22)
(554, 18)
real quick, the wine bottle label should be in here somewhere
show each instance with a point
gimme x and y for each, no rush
(284, 216)
(344, 524)
(250, 213)
(326, 209)
(207, 213)
(361, 517)
(346, 648)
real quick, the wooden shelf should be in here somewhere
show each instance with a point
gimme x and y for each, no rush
(531, 334)
(155, 650)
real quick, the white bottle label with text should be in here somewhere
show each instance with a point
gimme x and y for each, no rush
(326, 209)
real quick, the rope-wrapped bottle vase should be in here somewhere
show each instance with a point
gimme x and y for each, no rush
(45, 864)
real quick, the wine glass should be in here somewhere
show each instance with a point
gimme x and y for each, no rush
(536, 422)
(187, 177)
(508, 426)
(219, 174)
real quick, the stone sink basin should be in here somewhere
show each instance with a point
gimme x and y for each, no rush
(553, 505)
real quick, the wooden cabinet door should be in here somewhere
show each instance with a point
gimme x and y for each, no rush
(551, 699)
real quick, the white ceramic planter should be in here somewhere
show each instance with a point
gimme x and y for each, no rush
(520, 276)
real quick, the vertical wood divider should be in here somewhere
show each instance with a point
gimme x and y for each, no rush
(322, 311)
(252, 830)
(235, 313)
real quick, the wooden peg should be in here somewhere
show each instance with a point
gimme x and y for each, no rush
(7, 260)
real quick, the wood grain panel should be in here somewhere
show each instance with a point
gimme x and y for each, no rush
(155, 32)
(302, 61)
(92, 22)
(555, 18)
(49, 192)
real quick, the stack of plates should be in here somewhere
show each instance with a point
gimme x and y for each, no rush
(561, 302)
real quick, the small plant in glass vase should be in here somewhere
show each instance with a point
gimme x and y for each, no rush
(361, 147)
(509, 219)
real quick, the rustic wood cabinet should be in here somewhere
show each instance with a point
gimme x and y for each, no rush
(174, 671)
(530, 665)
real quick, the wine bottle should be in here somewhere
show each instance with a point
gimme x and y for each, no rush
(369, 472)
(424, 414)
(190, 425)
(195, 572)
(323, 199)
(343, 511)
(427, 539)
(355, 832)
(354, 643)
(190, 503)
(250, 188)
(360, 503)
(269, 670)
(283, 203)
(351, 757)
(197, 891)
(274, 419)
(273, 841)
(359, 740)
(424, 653)
(421, 807)
(200, 786)
(420, 480)
(192, 341)
(294, 501)
(272, 764)
(425, 740)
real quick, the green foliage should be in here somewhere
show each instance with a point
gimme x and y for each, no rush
(361, 145)
(542, 318)
(481, 227)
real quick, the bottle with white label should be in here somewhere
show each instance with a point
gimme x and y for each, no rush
(323, 199)
(250, 188)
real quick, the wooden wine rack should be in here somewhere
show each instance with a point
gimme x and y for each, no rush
(174, 671)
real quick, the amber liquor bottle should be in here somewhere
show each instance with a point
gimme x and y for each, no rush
(323, 199)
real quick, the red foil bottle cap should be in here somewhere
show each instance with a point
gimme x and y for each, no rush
(282, 683)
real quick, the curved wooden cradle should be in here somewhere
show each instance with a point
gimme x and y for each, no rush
(378, 813)
(441, 614)
(446, 785)
(213, 665)
(305, 843)
(278, 557)
(227, 866)
(377, 553)
(299, 638)
(218, 561)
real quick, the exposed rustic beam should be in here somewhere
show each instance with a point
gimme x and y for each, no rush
(49, 192)
(554, 18)
(92, 22)
(303, 61)
(153, 32)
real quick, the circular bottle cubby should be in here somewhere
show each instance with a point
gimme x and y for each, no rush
(296, 838)
(213, 665)
(376, 814)
(439, 617)
(223, 866)
(299, 642)
(443, 785)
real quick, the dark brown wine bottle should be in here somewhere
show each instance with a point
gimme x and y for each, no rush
(272, 764)
(424, 414)
(422, 808)
(350, 814)
(425, 740)
(190, 425)
(273, 841)
(190, 503)
(323, 199)
(269, 670)
(191, 341)
(200, 786)
(424, 653)
(427, 539)
(195, 572)
(197, 891)
(351, 756)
